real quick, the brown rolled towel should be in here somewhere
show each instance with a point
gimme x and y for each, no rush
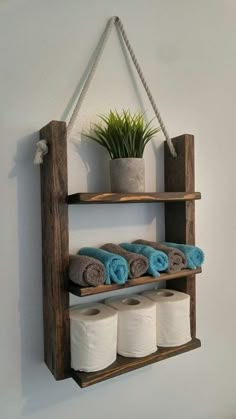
(138, 264)
(177, 260)
(85, 271)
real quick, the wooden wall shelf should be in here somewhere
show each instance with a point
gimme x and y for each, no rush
(85, 291)
(123, 365)
(179, 200)
(118, 198)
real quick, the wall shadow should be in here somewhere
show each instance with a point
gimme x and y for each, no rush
(35, 377)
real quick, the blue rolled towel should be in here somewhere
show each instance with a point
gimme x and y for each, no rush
(158, 260)
(116, 266)
(194, 255)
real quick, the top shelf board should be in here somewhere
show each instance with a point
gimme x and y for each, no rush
(120, 198)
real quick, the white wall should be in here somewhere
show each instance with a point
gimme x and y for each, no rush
(187, 49)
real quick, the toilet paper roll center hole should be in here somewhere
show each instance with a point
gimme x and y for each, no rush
(90, 311)
(131, 301)
(166, 294)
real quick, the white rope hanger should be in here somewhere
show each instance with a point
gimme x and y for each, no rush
(41, 146)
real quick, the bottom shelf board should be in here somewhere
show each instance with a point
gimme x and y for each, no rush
(123, 365)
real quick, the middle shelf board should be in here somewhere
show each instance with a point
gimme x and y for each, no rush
(121, 198)
(85, 291)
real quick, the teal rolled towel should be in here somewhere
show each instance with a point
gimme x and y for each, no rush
(158, 260)
(116, 266)
(194, 255)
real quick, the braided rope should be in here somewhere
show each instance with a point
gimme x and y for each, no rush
(120, 26)
(116, 20)
(86, 85)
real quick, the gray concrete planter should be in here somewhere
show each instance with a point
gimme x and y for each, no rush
(127, 175)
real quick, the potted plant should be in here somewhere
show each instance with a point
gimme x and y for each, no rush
(125, 137)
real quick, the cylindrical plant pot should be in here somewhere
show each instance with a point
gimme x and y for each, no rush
(127, 175)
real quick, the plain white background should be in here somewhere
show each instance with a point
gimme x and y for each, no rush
(187, 50)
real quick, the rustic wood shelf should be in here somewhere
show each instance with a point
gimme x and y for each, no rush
(179, 228)
(118, 198)
(123, 365)
(85, 291)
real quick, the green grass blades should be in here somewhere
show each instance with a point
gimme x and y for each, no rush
(123, 134)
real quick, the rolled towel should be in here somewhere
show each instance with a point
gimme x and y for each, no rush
(158, 261)
(194, 255)
(177, 259)
(138, 264)
(85, 271)
(116, 266)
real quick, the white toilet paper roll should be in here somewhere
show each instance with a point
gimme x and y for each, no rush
(136, 325)
(173, 316)
(93, 331)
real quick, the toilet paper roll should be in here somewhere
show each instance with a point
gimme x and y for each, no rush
(173, 316)
(93, 334)
(136, 325)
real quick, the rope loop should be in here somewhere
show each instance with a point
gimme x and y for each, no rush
(41, 146)
(115, 20)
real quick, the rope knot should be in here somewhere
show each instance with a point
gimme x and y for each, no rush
(41, 150)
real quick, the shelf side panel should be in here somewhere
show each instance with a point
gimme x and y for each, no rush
(55, 253)
(180, 216)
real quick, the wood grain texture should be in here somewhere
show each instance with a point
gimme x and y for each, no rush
(55, 250)
(118, 198)
(123, 365)
(180, 216)
(85, 291)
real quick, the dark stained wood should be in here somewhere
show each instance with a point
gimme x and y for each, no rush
(55, 250)
(179, 219)
(123, 365)
(118, 198)
(85, 291)
(180, 216)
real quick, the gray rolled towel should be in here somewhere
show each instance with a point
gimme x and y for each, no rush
(85, 271)
(138, 264)
(177, 259)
